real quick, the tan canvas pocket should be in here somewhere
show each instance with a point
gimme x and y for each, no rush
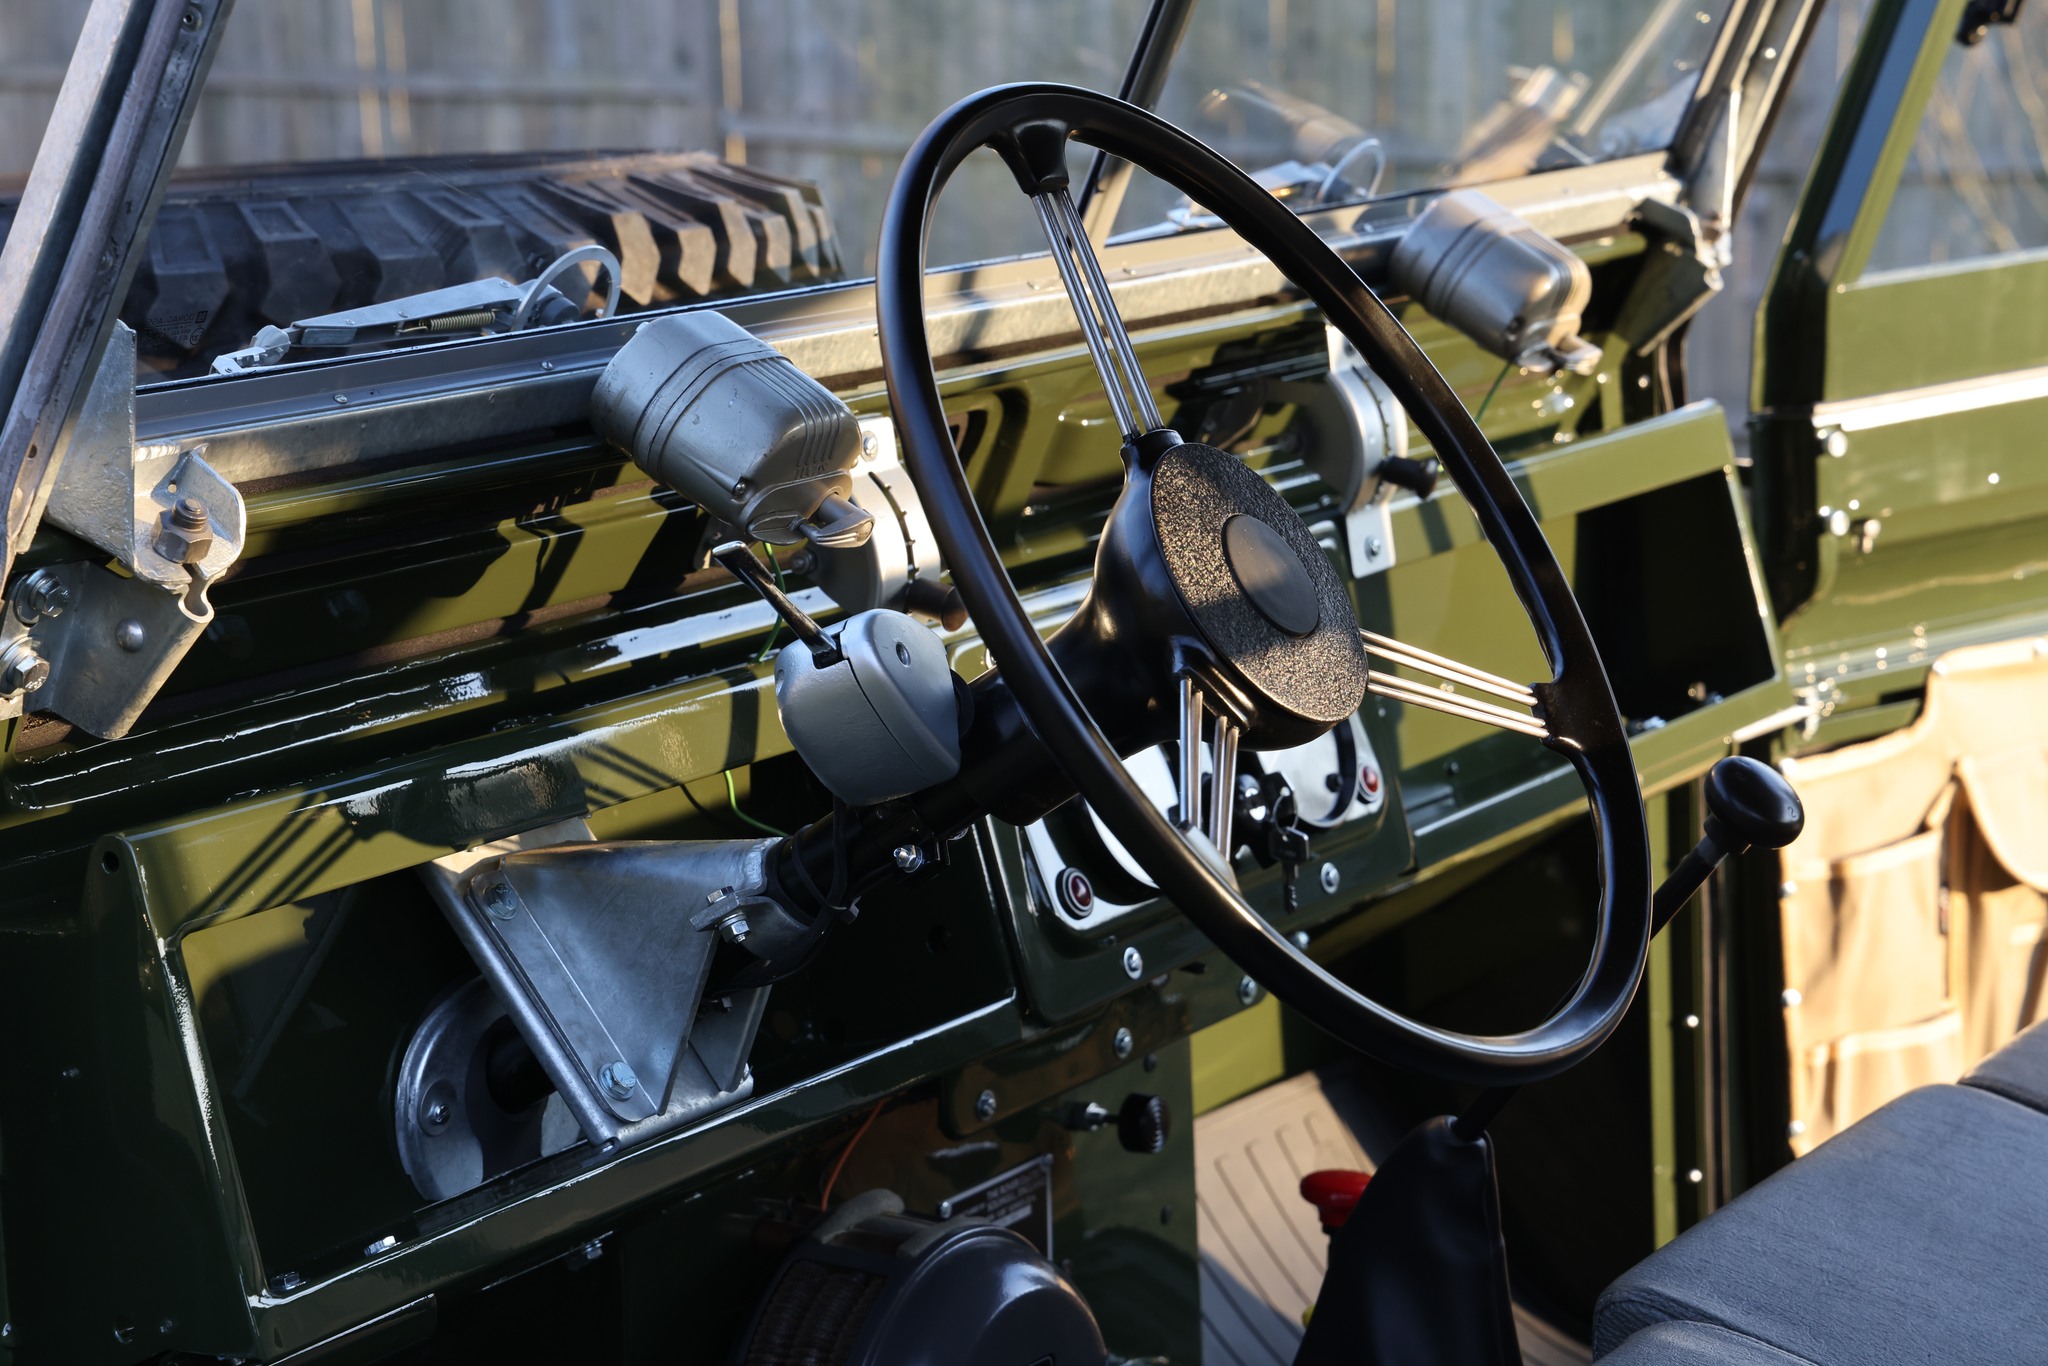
(1869, 942)
(1854, 1075)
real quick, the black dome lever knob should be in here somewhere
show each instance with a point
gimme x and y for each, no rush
(1417, 476)
(1749, 805)
(1753, 804)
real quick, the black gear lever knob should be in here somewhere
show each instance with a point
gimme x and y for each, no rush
(1749, 805)
(1417, 476)
(1753, 804)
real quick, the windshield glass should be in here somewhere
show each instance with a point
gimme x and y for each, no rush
(1335, 101)
(348, 157)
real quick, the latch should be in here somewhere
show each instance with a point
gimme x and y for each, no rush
(95, 646)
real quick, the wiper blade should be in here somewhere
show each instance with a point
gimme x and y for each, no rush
(480, 307)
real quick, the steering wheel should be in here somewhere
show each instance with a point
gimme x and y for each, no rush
(1212, 595)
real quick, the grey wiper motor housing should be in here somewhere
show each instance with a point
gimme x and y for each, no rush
(732, 424)
(1484, 270)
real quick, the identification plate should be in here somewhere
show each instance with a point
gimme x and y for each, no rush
(1019, 1199)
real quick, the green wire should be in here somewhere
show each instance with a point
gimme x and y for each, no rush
(774, 631)
(1485, 402)
(732, 798)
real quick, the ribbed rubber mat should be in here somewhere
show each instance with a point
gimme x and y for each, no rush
(1262, 1251)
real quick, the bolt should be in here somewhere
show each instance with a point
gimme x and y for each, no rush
(130, 635)
(618, 1079)
(985, 1106)
(909, 857)
(1837, 443)
(500, 900)
(22, 670)
(1330, 878)
(284, 1282)
(184, 534)
(1123, 1043)
(381, 1246)
(869, 446)
(735, 928)
(1299, 939)
(1248, 991)
(1838, 521)
(592, 1250)
(1372, 547)
(1795, 1128)
(1134, 963)
(41, 594)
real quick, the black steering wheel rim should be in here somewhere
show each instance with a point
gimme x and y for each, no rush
(1578, 704)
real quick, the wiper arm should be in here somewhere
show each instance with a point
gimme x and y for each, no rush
(481, 307)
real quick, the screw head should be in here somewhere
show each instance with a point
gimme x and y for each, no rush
(985, 1105)
(41, 594)
(22, 669)
(1300, 938)
(869, 446)
(381, 1246)
(130, 635)
(1790, 997)
(1330, 879)
(1123, 1043)
(500, 900)
(618, 1079)
(1373, 547)
(1248, 991)
(908, 857)
(1134, 963)
(1795, 1128)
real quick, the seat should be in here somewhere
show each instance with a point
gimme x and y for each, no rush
(1919, 1234)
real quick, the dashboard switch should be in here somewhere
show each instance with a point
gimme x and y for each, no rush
(1143, 1124)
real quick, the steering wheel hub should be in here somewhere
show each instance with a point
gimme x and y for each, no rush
(1264, 617)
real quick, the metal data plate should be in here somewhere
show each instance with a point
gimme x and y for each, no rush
(1020, 1199)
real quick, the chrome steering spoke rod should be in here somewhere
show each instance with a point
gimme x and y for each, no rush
(1130, 398)
(1451, 675)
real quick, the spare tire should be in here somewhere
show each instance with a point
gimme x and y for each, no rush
(236, 248)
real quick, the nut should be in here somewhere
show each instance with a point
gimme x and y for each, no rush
(41, 594)
(184, 534)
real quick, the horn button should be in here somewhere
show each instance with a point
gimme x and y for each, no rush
(1259, 591)
(1271, 574)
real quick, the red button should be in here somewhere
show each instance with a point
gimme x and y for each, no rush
(1334, 1194)
(1369, 779)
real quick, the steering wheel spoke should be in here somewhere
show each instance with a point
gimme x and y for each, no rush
(1116, 361)
(1450, 676)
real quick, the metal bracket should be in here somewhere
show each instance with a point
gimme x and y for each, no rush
(1681, 273)
(1359, 426)
(91, 645)
(601, 962)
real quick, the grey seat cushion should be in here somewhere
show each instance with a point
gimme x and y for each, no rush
(1682, 1342)
(2018, 1071)
(1918, 1235)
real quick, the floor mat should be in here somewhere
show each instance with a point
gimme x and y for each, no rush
(1262, 1250)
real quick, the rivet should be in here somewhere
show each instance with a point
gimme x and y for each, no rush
(130, 635)
(1330, 878)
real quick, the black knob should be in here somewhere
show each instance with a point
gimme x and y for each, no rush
(935, 599)
(1754, 804)
(1417, 476)
(1142, 1125)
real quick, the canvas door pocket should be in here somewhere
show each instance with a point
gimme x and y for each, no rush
(1854, 1075)
(1867, 941)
